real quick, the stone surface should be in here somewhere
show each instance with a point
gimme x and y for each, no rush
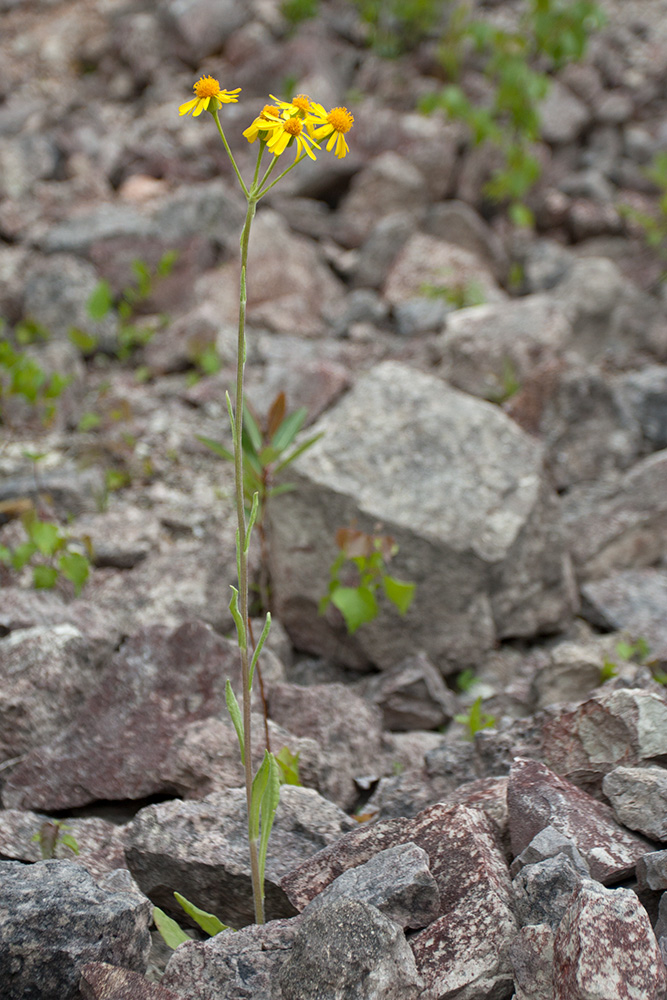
(633, 600)
(605, 948)
(531, 955)
(652, 871)
(347, 948)
(549, 843)
(160, 680)
(244, 963)
(200, 849)
(56, 918)
(101, 981)
(426, 262)
(542, 891)
(538, 798)
(398, 882)
(412, 696)
(481, 571)
(346, 728)
(638, 796)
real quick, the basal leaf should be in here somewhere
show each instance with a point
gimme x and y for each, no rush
(207, 921)
(172, 934)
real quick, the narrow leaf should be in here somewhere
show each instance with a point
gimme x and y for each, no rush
(172, 934)
(298, 451)
(276, 414)
(216, 447)
(230, 411)
(270, 801)
(236, 615)
(207, 921)
(258, 649)
(235, 715)
(254, 510)
(289, 429)
(251, 429)
(259, 784)
(100, 300)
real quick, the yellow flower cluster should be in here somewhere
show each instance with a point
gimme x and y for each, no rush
(303, 121)
(207, 89)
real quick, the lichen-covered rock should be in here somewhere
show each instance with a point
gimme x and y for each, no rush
(54, 918)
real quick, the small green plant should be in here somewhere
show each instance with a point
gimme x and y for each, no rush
(296, 11)
(466, 680)
(460, 294)
(173, 934)
(127, 304)
(475, 719)
(288, 763)
(21, 377)
(509, 385)
(638, 651)
(50, 552)
(551, 33)
(50, 835)
(367, 557)
(266, 455)
(396, 26)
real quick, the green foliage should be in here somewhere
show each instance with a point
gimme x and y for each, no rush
(638, 651)
(22, 377)
(509, 385)
(288, 763)
(475, 719)
(173, 934)
(466, 680)
(102, 301)
(295, 11)
(395, 26)
(551, 33)
(366, 555)
(51, 553)
(51, 833)
(460, 294)
(654, 226)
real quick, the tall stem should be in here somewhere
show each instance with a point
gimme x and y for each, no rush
(243, 560)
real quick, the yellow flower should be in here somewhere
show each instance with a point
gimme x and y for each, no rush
(282, 134)
(268, 114)
(298, 107)
(206, 89)
(336, 123)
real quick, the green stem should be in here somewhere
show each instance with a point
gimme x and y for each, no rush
(214, 112)
(243, 554)
(280, 176)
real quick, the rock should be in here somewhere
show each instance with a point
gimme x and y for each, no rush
(549, 843)
(24, 609)
(203, 26)
(232, 964)
(398, 882)
(426, 263)
(201, 850)
(572, 672)
(101, 844)
(346, 728)
(56, 918)
(638, 796)
(605, 948)
(47, 673)
(390, 183)
(531, 955)
(619, 525)
(487, 565)
(101, 981)
(537, 798)
(412, 695)
(348, 948)
(67, 490)
(489, 350)
(645, 393)
(121, 538)
(563, 117)
(634, 600)
(652, 871)
(420, 315)
(543, 890)
(458, 223)
(379, 250)
(160, 680)
(613, 728)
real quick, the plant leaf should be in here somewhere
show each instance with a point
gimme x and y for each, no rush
(100, 300)
(289, 429)
(304, 446)
(356, 604)
(235, 715)
(216, 447)
(44, 577)
(75, 568)
(399, 593)
(276, 414)
(172, 934)
(270, 800)
(207, 921)
(258, 649)
(46, 536)
(259, 783)
(288, 763)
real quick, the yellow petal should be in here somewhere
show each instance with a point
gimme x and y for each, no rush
(184, 108)
(202, 106)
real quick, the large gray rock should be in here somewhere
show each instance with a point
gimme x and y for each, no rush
(461, 489)
(55, 918)
(634, 600)
(639, 798)
(200, 849)
(348, 950)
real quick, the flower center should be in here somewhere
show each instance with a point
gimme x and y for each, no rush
(341, 119)
(268, 111)
(302, 102)
(207, 87)
(293, 126)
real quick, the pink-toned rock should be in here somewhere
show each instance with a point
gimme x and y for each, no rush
(537, 797)
(160, 681)
(532, 957)
(605, 949)
(101, 981)
(612, 729)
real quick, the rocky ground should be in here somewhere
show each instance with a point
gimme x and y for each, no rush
(515, 449)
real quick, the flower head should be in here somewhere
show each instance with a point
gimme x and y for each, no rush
(335, 124)
(298, 107)
(283, 132)
(268, 114)
(206, 90)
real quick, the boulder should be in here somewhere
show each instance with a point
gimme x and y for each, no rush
(462, 491)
